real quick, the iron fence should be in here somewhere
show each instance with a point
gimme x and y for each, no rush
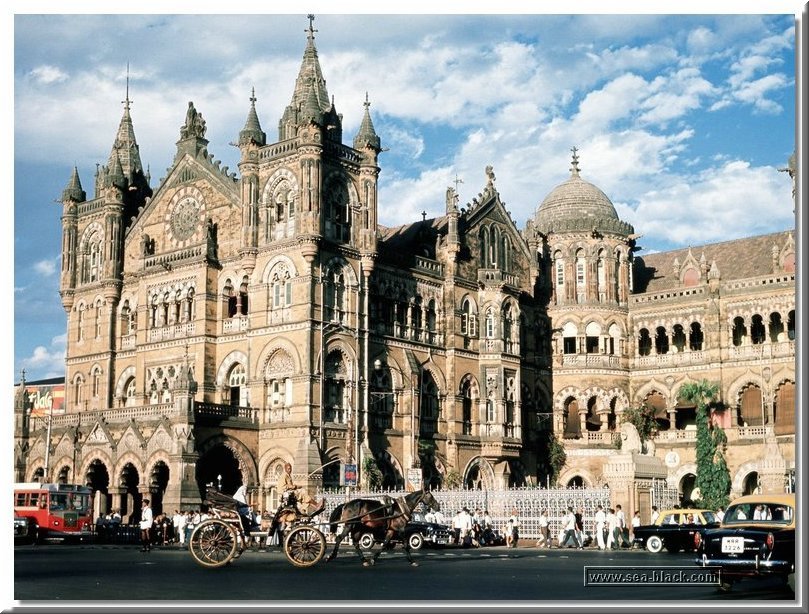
(529, 502)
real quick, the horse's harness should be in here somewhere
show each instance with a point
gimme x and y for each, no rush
(399, 501)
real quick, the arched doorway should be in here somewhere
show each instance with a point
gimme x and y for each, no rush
(575, 482)
(220, 468)
(131, 499)
(687, 484)
(98, 479)
(63, 475)
(158, 481)
(751, 482)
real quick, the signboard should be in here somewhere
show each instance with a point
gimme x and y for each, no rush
(348, 475)
(44, 399)
(414, 479)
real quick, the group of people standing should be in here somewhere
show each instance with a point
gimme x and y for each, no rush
(611, 529)
(469, 530)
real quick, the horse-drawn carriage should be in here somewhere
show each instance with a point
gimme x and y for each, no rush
(224, 536)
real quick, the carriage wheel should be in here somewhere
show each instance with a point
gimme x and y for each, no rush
(213, 543)
(304, 546)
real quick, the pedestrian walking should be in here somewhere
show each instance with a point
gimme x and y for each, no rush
(513, 530)
(601, 526)
(544, 530)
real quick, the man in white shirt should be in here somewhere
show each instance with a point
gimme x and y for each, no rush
(179, 526)
(569, 525)
(655, 514)
(544, 530)
(620, 527)
(466, 527)
(146, 526)
(601, 523)
(611, 526)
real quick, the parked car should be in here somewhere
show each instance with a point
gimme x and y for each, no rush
(417, 533)
(21, 529)
(756, 538)
(674, 530)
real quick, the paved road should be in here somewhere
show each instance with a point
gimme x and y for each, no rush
(497, 575)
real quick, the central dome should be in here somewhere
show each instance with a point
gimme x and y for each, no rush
(577, 204)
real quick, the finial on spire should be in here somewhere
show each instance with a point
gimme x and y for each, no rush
(253, 96)
(575, 168)
(367, 102)
(311, 31)
(127, 102)
(457, 181)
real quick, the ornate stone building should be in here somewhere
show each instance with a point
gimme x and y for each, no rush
(221, 324)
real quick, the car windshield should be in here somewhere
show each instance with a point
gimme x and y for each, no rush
(709, 517)
(776, 513)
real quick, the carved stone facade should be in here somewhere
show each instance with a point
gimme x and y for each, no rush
(221, 325)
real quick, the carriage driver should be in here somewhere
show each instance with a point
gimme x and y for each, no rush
(306, 505)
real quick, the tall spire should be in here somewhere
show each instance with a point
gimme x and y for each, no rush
(574, 170)
(252, 127)
(73, 190)
(125, 145)
(310, 88)
(367, 136)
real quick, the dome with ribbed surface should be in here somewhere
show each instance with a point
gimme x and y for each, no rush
(577, 204)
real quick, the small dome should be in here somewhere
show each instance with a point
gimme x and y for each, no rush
(577, 204)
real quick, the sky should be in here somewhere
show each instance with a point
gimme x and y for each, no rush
(682, 120)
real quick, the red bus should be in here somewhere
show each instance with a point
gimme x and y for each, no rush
(55, 510)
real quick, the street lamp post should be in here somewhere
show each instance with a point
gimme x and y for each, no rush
(46, 473)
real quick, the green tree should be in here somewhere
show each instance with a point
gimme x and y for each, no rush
(642, 418)
(371, 474)
(713, 477)
(556, 457)
(452, 480)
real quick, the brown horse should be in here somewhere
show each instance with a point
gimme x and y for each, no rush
(360, 515)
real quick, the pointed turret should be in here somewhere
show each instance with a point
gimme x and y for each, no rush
(311, 113)
(310, 92)
(125, 145)
(115, 175)
(252, 127)
(125, 150)
(367, 137)
(73, 191)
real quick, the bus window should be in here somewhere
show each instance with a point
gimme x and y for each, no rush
(58, 501)
(19, 499)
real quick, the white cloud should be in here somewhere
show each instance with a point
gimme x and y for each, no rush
(45, 362)
(616, 100)
(755, 92)
(675, 95)
(45, 267)
(45, 75)
(407, 143)
(701, 40)
(717, 204)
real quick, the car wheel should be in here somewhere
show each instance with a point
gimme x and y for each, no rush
(415, 541)
(654, 544)
(367, 541)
